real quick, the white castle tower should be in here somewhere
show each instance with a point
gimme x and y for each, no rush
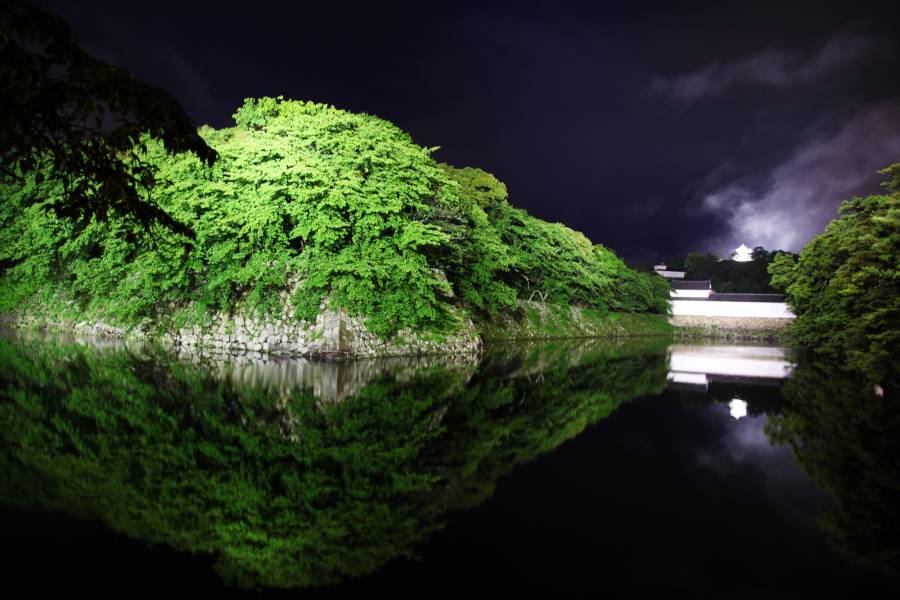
(742, 254)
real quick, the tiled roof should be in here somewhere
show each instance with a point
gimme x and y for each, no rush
(747, 297)
(691, 284)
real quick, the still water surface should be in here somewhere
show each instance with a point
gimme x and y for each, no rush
(577, 468)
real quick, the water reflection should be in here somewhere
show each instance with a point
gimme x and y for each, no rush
(841, 432)
(293, 473)
(847, 438)
(285, 489)
(737, 408)
(695, 365)
(327, 381)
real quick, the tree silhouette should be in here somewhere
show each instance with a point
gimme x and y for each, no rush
(68, 116)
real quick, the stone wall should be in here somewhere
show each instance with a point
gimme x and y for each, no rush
(334, 335)
(729, 328)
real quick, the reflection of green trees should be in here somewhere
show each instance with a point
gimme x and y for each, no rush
(273, 485)
(530, 403)
(284, 490)
(848, 441)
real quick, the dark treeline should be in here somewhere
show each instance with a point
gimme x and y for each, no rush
(730, 276)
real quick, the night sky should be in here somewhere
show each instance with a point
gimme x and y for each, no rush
(655, 129)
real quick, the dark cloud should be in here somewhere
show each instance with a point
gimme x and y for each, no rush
(770, 67)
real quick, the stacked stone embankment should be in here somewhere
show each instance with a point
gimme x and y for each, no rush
(333, 335)
(734, 328)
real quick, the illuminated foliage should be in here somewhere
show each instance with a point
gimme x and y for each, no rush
(509, 253)
(345, 204)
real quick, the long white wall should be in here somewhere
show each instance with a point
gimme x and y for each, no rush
(708, 308)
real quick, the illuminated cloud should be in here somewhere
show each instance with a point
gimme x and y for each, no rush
(795, 201)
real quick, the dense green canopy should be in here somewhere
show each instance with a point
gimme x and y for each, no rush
(344, 203)
(504, 253)
(845, 285)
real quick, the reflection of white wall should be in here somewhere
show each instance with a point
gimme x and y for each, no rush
(691, 293)
(736, 361)
(698, 308)
(687, 378)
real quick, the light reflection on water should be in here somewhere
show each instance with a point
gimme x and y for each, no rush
(698, 364)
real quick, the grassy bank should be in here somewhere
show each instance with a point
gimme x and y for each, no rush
(536, 320)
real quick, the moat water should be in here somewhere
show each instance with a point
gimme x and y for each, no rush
(571, 468)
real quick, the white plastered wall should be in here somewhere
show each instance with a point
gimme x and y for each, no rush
(701, 308)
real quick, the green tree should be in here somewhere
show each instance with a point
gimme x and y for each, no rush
(845, 285)
(476, 260)
(335, 199)
(512, 254)
(697, 264)
(66, 115)
(633, 290)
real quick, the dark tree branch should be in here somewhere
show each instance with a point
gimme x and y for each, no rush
(79, 120)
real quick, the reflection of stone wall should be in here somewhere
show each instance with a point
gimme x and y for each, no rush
(329, 381)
